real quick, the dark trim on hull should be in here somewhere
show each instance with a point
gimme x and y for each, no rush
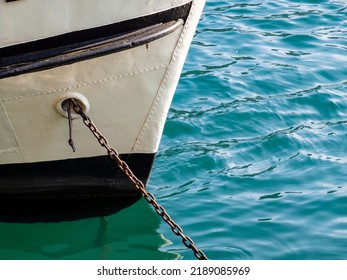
(86, 44)
(69, 189)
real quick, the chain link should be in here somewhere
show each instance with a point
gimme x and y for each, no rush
(149, 197)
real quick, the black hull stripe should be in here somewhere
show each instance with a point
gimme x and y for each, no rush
(48, 210)
(95, 177)
(69, 189)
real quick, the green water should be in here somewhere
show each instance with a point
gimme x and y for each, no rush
(253, 160)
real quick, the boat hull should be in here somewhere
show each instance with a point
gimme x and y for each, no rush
(128, 80)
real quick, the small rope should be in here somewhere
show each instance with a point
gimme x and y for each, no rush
(69, 116)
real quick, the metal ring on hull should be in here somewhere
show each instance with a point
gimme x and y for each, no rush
(80, 98)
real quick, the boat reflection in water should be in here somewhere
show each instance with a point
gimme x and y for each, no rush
(128, 235)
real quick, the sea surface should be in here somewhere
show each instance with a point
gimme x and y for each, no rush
(253, 160)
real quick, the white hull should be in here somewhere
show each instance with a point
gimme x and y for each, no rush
(129, 94)
(23, 21)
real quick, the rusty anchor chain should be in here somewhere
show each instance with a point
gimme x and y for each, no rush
(149, 197)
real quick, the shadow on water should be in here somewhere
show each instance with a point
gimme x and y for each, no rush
(131, 233)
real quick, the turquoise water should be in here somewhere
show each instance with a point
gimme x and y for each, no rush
(253, 160)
